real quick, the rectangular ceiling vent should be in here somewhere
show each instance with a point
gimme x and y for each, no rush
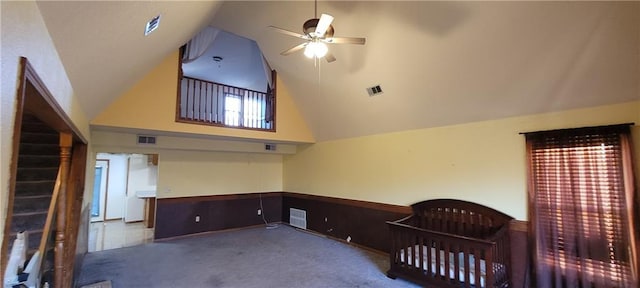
(146, 140)
(375, 90)
(270, 147)
(152, 25)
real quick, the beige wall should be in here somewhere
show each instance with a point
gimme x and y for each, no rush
(111, 141)
(483, 162)
(200, 167)
(25, 34)
(197, 173)
(151, 105)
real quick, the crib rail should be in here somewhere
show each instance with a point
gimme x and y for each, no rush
(451, 243)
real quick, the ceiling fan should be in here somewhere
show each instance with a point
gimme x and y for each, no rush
(318, 33)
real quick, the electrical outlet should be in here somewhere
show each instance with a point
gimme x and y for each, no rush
(259, 212)
(197, 219)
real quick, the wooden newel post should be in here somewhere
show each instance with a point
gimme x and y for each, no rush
(59, 257)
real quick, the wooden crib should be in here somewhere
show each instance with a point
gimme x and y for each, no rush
(451, 243)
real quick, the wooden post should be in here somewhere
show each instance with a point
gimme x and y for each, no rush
(59, 257)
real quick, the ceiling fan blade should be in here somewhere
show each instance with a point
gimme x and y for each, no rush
(346, 40)
(330, 58)
(294, 49)
(290, 33)
(323, 24)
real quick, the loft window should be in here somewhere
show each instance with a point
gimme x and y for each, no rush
(232, 110)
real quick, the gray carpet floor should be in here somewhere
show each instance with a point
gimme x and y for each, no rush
(256, 257)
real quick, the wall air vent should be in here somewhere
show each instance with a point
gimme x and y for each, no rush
(270, 147)
(146, 140)
(298, 218)
(152, 25)
(375, 90)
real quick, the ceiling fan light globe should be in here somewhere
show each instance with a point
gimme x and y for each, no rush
(321, 49)
(309, 51)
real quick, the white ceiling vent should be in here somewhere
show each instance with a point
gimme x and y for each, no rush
(152, 25)
(146, 140)
(375, 90)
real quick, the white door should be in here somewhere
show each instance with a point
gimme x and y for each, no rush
(99, 190)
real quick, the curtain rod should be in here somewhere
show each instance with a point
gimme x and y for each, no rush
(587, 127)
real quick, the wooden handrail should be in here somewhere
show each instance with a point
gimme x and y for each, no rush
(224, 85)
(50, 214)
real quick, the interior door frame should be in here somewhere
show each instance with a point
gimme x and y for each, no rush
(104, 191)
(34, 98)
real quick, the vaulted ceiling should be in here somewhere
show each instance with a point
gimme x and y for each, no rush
(438, 63)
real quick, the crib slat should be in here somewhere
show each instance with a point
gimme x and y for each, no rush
(467, 283)
(456, 261)
(438, 247)
(477, 261)
(489, 268)
(447, 262)
(430, 268)
(421, 253)
(407, 250)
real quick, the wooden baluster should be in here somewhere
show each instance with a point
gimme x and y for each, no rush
(59, 257)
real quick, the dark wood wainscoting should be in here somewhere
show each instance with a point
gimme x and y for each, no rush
(364, 222)
(82, 243)
(177, 216)
(520, 253)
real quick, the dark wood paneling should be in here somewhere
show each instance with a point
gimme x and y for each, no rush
(405, 210)
(519, 253)
(364, 222)
(82, 243)
(176, 216)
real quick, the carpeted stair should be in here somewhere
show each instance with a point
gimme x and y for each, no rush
(38, 162)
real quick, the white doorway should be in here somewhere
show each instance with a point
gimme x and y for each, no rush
(141, 179)
(124, 190)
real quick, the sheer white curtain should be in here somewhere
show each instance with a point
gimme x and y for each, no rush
(267, 71)
(199, 44)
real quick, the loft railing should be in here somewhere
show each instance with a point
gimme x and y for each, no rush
(210, 103)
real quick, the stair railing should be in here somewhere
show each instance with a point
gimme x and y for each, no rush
(50, 215)
(46, 232)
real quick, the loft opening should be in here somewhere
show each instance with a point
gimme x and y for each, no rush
(225, 81)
